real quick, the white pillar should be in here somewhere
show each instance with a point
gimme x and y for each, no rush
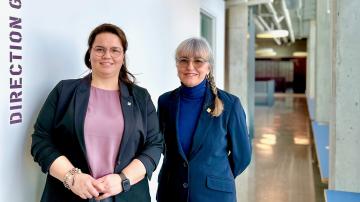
(322, 68)
(237, 48)
(237, 69)
(310, 73)
(251, 73)
(345, 116)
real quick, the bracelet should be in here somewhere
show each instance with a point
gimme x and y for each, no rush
(70, 174)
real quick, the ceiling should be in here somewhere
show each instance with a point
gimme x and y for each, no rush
(291, 15)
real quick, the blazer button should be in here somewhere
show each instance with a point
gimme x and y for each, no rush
(185, 185)
(185, 164)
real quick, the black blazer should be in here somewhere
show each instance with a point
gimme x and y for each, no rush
(220, 151)
(59, 130)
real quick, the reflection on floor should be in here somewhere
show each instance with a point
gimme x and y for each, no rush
(282, 168)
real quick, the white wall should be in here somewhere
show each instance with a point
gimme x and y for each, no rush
(216, 8)
(54, 36)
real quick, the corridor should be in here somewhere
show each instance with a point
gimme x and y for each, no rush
(282, 167)
(260, 48)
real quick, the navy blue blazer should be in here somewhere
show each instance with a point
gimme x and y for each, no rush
(59, 130)
(220, 151)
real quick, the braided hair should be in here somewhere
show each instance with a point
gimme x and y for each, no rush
(199, 47)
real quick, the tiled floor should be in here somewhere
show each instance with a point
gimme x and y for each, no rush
(282, 169)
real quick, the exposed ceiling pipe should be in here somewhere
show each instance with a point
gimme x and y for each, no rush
(276, 19)
(258, 2)
(267, 27)
(230, 3)
(288, 20)
(299, 17)
(258, 26)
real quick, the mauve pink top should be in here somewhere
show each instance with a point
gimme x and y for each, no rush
(103, 130)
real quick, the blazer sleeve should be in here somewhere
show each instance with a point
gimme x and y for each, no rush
(42, 147)
(240, 147)
(161, 117)
(151, 152)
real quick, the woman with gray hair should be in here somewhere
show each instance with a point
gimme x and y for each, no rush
(206, 138)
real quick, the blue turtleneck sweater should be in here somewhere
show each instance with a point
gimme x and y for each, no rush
(191, 101)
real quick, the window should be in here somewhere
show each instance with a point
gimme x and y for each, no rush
(208, 28)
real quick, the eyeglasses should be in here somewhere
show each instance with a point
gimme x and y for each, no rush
(101, 51)
(184, 62)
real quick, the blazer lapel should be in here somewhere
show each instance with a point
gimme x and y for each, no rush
(127, 106)
(204, 122)
(81, 101)
(174, 106)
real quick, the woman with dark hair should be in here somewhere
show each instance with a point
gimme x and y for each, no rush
(206, 138)
(98, 137)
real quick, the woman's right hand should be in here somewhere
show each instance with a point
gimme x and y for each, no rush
(84, 186)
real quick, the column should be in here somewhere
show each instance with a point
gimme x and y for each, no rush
(345, 116)
(251, 72)
(310, 73)
(236, 71)
(237, 47)
(322, 68)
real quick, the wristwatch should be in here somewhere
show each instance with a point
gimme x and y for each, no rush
(125, 182)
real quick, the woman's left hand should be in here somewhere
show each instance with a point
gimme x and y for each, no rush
(108, 185)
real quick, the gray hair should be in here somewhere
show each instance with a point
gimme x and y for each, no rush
(199, 47)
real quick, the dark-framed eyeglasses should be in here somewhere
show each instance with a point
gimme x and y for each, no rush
(100, 51)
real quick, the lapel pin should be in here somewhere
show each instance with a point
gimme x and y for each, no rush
(208, 110)
(129, 103)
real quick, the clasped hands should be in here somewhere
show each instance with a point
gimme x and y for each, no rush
(87, 187)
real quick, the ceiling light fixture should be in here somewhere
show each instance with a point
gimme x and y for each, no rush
(273, 34)
(265, 52)
(300, 54)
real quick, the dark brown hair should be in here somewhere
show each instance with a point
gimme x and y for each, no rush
(124, 75)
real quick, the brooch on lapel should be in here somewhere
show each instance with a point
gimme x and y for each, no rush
(129, 103)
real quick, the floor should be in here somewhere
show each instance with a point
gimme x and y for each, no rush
(282, 168)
